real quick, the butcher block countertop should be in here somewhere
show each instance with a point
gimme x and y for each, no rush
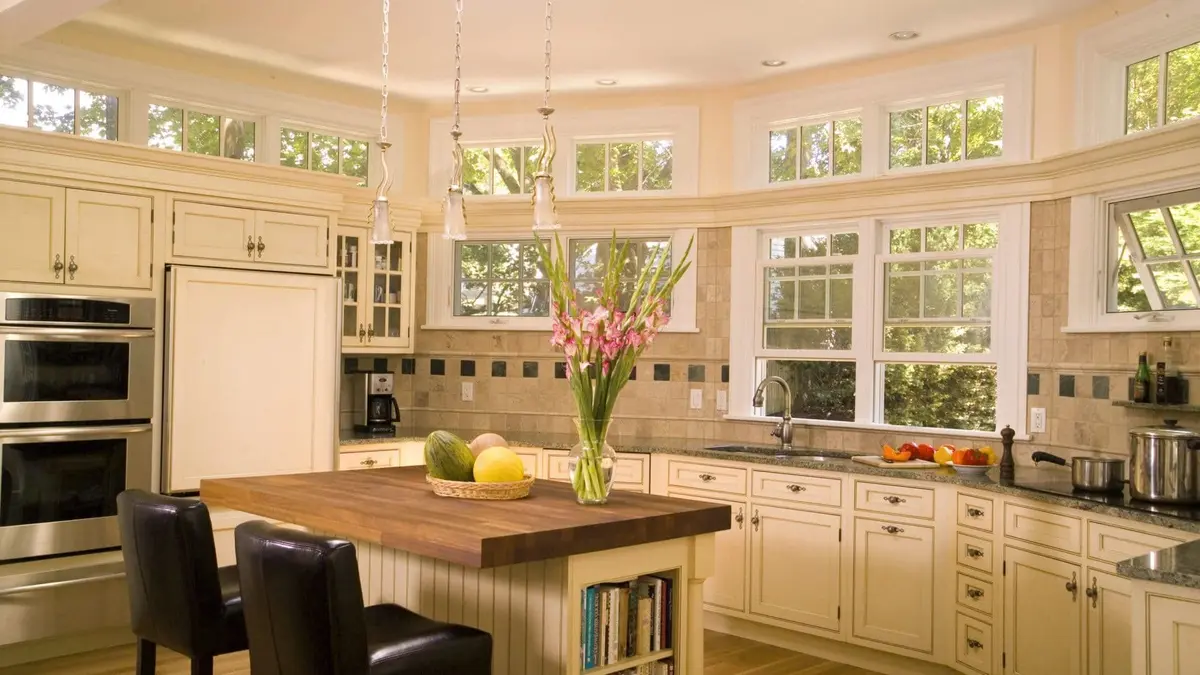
(396, 508)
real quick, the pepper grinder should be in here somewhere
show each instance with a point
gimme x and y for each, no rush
(1007, 465)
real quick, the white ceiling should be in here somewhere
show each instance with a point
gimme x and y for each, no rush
(641, 43)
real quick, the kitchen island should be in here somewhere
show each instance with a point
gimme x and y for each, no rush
(519, 569)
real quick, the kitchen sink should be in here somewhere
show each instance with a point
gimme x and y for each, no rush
(804, 453)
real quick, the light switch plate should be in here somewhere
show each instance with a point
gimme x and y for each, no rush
(468, 391)
(697, 399)
(1037, 420)
(722, 400)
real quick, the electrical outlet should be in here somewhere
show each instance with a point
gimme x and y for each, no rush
(468, 391)
(722, 400)
(697, 399)
(1037, 420)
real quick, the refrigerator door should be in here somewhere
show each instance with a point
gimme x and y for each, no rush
(251, 361)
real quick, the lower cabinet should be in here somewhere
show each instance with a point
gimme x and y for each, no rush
(893, 583)
(1173, 630)
(726, 588)
(796, 560)
(370, 459)
(1109, 630)
(973, 643)
(1043, 600)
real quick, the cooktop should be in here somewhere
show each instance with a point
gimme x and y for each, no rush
(1059, 486)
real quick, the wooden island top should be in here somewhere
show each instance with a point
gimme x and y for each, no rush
(396, 508)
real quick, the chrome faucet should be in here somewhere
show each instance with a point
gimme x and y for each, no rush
(783, 430)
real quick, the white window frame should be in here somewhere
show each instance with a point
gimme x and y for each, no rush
(924, 104)
(92, 88)
(1087, 290)
(341, 134)
(1105, 51)
(441, 294)
(812, 121)
(608, 142)
(1010, 311)
(186, 107)
(493, 146)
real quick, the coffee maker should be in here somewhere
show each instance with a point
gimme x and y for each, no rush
(375, 408)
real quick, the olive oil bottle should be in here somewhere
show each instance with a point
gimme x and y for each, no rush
(1142, 384)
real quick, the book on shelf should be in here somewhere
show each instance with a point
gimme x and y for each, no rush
(664, 667)
(626, 620)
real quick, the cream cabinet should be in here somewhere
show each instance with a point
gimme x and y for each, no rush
(1173, 630)
(75, 237)
(378, 291)
(1043, 599)
(796, 561)
(631, 472)
(893, 583)
(726, 588)
(249, 236)
(1108, 615)
(368, 459)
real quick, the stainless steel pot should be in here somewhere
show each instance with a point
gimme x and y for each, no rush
(1093, 474)
(1163, 464)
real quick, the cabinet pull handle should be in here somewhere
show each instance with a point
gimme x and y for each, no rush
(261, 247)
(1073, 587)
(250, 247)
(362, 333)
(739, 518)
(72, 268)
(892, 529)
(893, 499)
(368, 462)
(58, 265)
(973, 552)
(370, 331)
(974, 644)
(974, 512)
(974, 593)
(797, 488)
(1093, 593)
(707, 477)
(755, 520)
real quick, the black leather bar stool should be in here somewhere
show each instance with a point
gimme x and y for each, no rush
(305, 615)
(178, 597)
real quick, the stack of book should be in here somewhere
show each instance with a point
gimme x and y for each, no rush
(664, 667)
(627, 620)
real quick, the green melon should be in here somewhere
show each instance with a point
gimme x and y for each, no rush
(448, 457)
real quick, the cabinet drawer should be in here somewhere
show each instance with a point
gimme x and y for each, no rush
(42, 599)
(374, 459)
(529, 458)
(893, 499)
(628, 474)
(974, 552)
(727, 479)
(975, 512)
(973, 644)
(974, 593)
(1114, 544)
(803, 489)
(1041, 527)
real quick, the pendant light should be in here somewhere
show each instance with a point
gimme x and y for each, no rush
(455, 215)
(545, 215)
(381, 221)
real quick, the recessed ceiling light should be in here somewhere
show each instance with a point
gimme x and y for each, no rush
(773, 63)
(477, 90)
(902, 35)
(606, 83)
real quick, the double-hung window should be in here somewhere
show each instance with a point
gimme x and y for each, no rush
(174, 127)
(500, 279)
(59, 108)
(897, 323)
(327, 153)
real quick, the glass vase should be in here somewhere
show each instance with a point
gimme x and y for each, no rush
(591, 462)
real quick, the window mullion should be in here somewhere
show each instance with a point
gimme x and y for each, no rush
(962, 148)
(924, 135)
(75, 91)
(641, 163)
(1162, 90)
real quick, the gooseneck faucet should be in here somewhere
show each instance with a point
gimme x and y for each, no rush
(783, 430)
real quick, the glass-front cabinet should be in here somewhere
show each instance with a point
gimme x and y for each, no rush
(377, 292)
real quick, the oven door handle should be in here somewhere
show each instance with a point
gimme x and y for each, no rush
(75, 432)
(61, 584)
(76, 333)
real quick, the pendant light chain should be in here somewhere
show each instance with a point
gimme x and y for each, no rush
(457, 61)
(545, 213)
(380, 212)
(549, 27)
(383, 108)
(455, 210)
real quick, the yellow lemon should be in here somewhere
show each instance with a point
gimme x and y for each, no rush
(498, 465)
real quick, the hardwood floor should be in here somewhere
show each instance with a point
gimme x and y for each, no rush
(723, 655)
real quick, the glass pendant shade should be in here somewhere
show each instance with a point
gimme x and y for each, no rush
(455, 216)
(381, 222)
(544, 215)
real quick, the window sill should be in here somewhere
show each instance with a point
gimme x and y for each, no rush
(867, 426)
(1139, 327)
(529, 328)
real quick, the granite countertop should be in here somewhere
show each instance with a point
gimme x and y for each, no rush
(1178, 566)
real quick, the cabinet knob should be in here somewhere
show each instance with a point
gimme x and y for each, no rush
(707, 477)
(1093, 592)
(974, 593)
(249, 247)
(974, 644)
(72, 268)
(974, 512)
(370, 331)
(261, 247)
(739, 518)
(1072, 586)
(797, 488)
(755, 520)
(973, 552)
(362, 333)
(893, 499)
(58, 265)
(892, 529)
(369, 462)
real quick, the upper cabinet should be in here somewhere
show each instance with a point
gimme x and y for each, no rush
(378, 292)
(250, 237)
(76, 237)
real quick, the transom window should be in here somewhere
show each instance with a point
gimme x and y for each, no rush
(327, 153)
(502, 278)
(58, 108)
(969, 129)
(818, 150)
(500, 170)
(202, 133)
(624, 166)
(1162, 89)
(1154, 259)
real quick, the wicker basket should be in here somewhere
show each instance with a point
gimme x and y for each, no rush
(469, 490)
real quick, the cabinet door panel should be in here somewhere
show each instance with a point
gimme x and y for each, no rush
(31, 218)
(291, 239)
(795, 566)
(1041, 616)
(893, 603)
(1108, 624)
(108, 239)
(216, 232)
(391, 276)
(1174, 630)
(727, 586)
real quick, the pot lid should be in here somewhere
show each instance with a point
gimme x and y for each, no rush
(1169, 431)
